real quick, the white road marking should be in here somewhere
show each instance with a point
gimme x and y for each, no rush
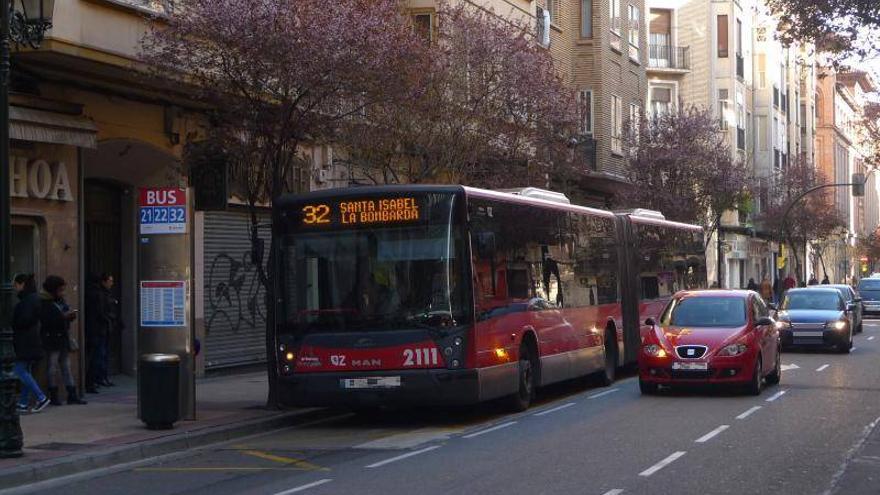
(304, 487)
(823, 367)
(404, 456)
(411, 439)
(600, 394)
(787, 367)
(559, 408)
(489, 430)
(662, 464)
(709, 436)
(776, 396)
(852, 348)
(748, 413)
(616, 491)
(871, 337)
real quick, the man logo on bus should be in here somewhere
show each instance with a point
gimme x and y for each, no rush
(337, 360)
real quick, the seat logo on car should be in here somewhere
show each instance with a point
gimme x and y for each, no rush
(691, 352)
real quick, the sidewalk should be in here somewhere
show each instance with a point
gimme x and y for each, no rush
(63, 440)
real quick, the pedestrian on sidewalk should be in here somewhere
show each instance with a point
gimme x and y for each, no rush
(27, 342)
(766, 289)
(101, 321)
(752, 285)
(813, 280)
(55, 318)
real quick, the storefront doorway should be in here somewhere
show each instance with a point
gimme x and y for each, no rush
(102, 204)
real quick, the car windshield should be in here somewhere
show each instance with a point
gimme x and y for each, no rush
(869, 285)
(705, 312)
(812, 300)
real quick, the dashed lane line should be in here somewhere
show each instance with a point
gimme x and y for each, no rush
(871, 337)
(776, 395)
(602, 394)
(662, 464)
(823, 367)
(305, 487)
(489, 430)
(558, 408)
(402, 457)
(748, 413)
(616, 491)
(712, 434)
(853, 348)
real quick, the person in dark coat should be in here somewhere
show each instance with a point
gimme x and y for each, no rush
(101, 321)
(27, 342)
(752, 285)
(55, 318)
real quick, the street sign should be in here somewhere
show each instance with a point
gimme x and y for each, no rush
(162, 210)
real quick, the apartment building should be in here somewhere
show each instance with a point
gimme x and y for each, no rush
(701, 54)
(600, 47)
(840, 152)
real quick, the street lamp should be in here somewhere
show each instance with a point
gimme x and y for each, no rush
(25, 26)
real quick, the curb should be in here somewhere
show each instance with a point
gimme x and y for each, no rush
(87, 461)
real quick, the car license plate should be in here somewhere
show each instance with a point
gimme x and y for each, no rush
(374, 382)
(814, 333)
(690, 366)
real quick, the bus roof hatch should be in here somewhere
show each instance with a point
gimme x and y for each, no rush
(642, 212)
(534, 192)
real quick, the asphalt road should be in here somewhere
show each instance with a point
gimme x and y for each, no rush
(796, 438)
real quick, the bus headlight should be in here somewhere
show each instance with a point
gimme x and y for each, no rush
(289, 356)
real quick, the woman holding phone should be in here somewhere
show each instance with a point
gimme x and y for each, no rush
(55, 318)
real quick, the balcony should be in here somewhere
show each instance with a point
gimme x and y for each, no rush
(740, 139)
(675, 58)
(740, 66)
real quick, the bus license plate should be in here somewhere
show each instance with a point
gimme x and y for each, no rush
(375, 382)
(690, 366)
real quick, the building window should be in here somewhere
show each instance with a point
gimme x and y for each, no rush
(423, 25)
(723, 104)
(616, 125)
(762, 133)
(543, 25)
(634, 21)
(614, 13)
(661, 100)
(585, 111)
(586, 18)
(722, 36)
(739, 37)
(634, 118)
(24, 257)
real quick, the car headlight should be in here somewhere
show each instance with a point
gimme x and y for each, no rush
(733, 350)
(654, 350)
(836, 325)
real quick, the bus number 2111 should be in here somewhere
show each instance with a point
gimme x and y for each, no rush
(421, 357)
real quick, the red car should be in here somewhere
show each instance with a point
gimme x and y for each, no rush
(711, 337)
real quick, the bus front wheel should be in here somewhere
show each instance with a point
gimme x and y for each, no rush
(521, 400)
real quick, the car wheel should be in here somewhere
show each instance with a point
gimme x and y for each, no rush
(647, 388)
(776, 375)
(754, 387)
(606, 376)
(522, 399)
(845, 347)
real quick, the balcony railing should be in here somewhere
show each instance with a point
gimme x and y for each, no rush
(740, 66)
(740, 139)
(669, 57)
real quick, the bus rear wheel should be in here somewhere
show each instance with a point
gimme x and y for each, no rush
(522, 399)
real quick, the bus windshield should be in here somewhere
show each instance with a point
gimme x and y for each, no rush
(378, 278)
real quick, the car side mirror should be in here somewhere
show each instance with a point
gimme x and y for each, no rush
(764, 321)
(650, 322)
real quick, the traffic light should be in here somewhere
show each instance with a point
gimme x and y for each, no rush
(858, 185)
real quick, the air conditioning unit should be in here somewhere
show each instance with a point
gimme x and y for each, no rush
(534, 192)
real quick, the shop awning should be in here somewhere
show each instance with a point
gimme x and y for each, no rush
(28, 124)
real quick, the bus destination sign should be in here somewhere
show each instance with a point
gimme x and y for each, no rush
(362, 212)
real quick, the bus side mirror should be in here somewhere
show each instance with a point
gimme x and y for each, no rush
(650, 322)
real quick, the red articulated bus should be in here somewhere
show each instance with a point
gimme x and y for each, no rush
(426, 295)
